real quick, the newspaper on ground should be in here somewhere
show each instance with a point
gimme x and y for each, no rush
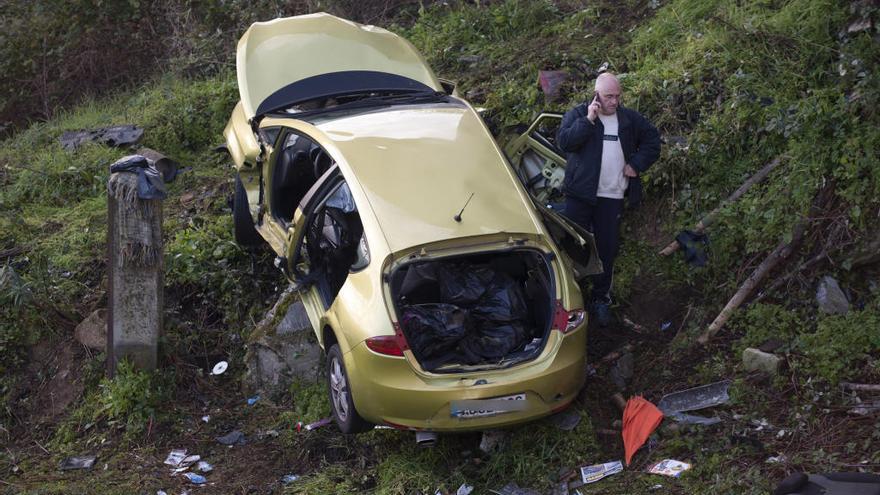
(669, 467)
(591, 474)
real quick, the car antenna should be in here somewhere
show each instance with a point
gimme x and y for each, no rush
(457, 218)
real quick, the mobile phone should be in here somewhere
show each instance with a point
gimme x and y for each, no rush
(596, 98)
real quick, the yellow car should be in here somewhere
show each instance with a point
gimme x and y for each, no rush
(443, 293)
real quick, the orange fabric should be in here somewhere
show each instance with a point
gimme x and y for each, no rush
(640, 419)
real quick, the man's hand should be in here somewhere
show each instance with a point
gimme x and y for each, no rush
(593, 109)
(629, 171)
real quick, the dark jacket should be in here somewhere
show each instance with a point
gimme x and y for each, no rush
(582, 143)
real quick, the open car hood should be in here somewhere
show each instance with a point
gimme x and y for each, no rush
(289, 60)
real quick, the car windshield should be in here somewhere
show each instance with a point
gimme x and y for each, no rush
(366, 100)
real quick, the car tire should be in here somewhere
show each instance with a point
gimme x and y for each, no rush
(242, 224)
(341, 403)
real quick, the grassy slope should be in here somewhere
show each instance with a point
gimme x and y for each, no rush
(741, 83)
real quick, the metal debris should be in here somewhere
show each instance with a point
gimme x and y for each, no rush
(692, 399)
(122, 135)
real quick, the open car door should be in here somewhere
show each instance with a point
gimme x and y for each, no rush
(540, 165)
(326, 243)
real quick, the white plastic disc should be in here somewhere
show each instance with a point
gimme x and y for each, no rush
(219, 368)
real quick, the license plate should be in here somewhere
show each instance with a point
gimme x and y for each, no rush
(478, 408)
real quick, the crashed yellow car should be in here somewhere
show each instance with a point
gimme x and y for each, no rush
(444, 295)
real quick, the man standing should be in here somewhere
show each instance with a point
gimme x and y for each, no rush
(607, 147)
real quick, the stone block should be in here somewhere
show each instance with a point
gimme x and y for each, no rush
(757, 360)
(92, 332)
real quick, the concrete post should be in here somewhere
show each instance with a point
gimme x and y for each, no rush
(135, 273)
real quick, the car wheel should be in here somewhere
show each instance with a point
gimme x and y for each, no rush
(341, 403)
(242, 225)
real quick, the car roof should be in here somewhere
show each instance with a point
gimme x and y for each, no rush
(418, 167)
(283, 61)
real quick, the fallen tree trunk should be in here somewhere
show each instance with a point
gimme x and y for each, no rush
(707, 220)
(782, 251)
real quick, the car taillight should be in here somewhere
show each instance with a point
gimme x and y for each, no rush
(565, 321)
(385, 344)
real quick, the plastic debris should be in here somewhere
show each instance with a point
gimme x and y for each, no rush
(669, 467)
(665, 326)
(640, 419)
(196, 479)
(206, 418)
(289, 478)
(566, 420)
(80, 462)
(175, 457)
(315, 425)
(551, 82)
(594, 473)
(151, 184)
(122, 135)
(204, 467)
(253, 400)
(219, 368)
(464, 489)
(694, 247)
(234, 437)
(777, 459)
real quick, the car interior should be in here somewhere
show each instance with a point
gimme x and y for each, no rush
(299, 164)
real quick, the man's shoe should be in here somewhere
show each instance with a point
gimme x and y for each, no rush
(602, 313)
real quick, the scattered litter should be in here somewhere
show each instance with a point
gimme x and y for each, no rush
(190, 460)
(253, 400)
(491, 439)
(197, 479)
(161, 492)
(514, 489)
(315, 425)
(206, 418)
(692, 399)
(234, 437)
(204, 467)
(566, 420)
(269, 433)
(219, 368)
(656, 487)
(866, 408)
(669, 467)
(289, 478)
(777, 459)
(464, 489)
(175, 457)
(640, 419)
(551, 82)
(383, 427)
(665, 326)
(594, 473)
(122, 135)
(81, 462)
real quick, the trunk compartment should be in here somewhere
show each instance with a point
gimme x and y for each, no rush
(476, 311)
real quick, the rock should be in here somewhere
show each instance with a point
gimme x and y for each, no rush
(470, 59)
(831, 299)
(491, 440)
(280, 354)
(92, 332)
(234, 437)
(295, 320)
(622, 371)
(757, 360)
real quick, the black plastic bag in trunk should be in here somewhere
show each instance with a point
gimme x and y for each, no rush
(434, 329)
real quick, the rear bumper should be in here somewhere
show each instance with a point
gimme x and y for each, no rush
(387, 389)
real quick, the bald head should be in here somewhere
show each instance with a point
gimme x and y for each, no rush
(608, 90)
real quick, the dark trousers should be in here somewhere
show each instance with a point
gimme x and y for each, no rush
(603, 220)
